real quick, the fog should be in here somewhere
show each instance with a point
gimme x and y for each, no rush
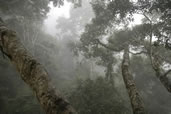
(104, 57)
(54, 14)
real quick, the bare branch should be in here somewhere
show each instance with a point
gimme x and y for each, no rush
(108, 47)
(138, 53)
(147, 18)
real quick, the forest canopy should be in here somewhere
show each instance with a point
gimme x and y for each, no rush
(100, 59)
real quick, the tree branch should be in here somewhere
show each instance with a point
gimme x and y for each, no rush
(108, 47)
(138, 53)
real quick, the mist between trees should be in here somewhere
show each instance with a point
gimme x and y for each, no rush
(99, 62)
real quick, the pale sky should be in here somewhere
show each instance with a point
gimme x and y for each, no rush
(64, 11)
(137, 19)
(54, 14)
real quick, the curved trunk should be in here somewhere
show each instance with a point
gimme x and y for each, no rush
(33, 73)
(135, 99)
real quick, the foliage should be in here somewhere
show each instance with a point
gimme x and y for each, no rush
(97, 97)
(109, 26)
(112, 19)
(110, 30)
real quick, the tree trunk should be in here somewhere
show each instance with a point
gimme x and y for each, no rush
(160, 74)
(33, 73)
(163, 79)
(136, 101)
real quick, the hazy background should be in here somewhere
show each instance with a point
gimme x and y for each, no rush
(54, 42)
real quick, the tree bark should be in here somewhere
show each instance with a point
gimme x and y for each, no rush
(136, 101)
(160, 74)
(33, 73)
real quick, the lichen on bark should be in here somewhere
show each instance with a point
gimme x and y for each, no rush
(135, 99)
(33, 73)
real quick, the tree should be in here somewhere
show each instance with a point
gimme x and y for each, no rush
(106, 16)
(136, 101)
(27, 20)
(32, 73)
(111, 23)
(154, 95)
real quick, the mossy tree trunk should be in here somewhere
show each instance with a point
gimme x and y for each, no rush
(135, 99)
(33, 73)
